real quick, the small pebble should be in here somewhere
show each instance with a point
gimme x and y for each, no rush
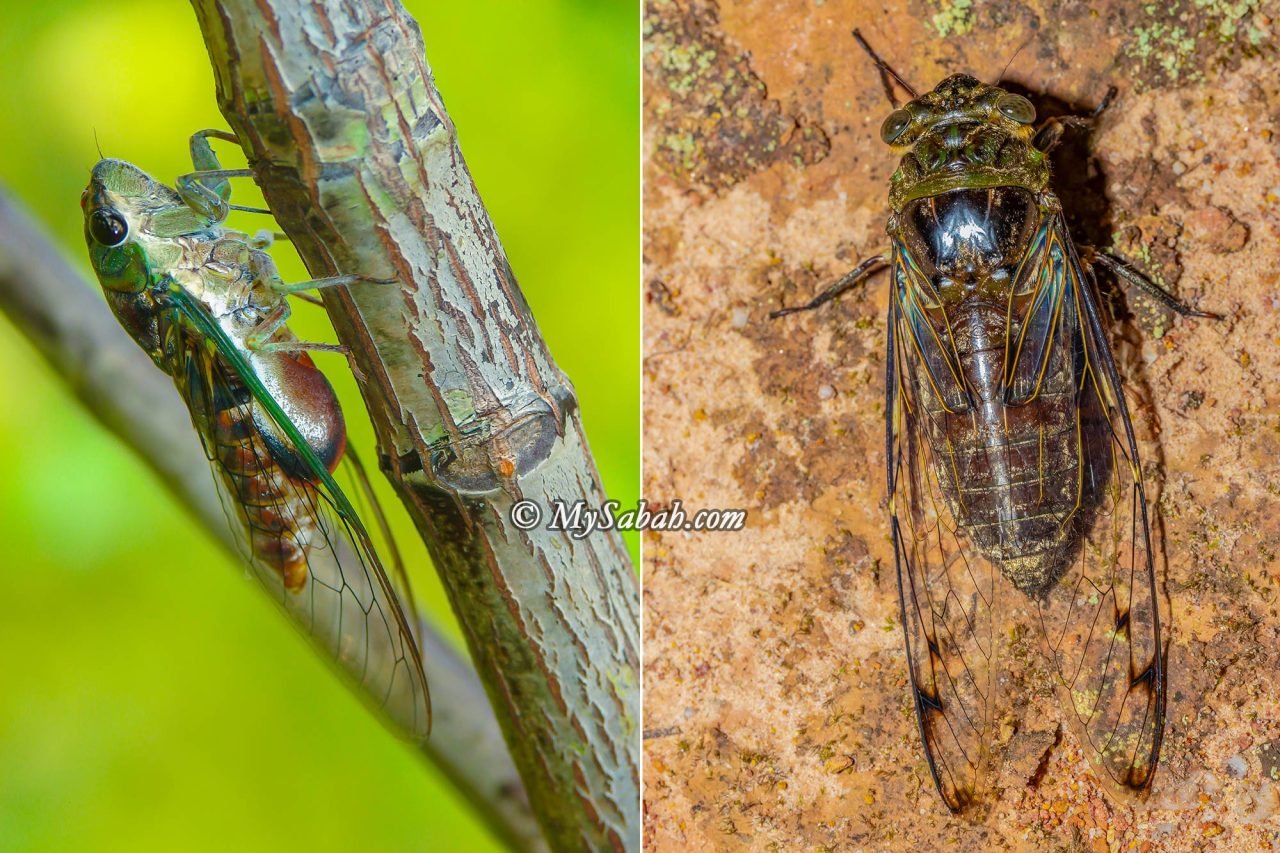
(1179, 167)
(1217, 229)
(740, 317)
(1237, 766)
(826, 392)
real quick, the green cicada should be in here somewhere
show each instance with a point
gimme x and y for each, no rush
(207, 305)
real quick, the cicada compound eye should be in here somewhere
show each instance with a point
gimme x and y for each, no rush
(1017, 108)
(107, 227)
(895, 125)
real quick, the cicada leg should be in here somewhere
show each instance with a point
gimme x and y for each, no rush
(318, 283)
(1127, 274)
(1050, 133)
(204, 160)
(265, 238)
(207, 190)
(848, 281)
(259, 340)
(309, 299)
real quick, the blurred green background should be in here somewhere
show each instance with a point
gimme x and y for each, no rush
(150, 698)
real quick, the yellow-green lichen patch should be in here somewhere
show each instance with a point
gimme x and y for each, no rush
(1171, 42)
(713, 121)
(954, 17)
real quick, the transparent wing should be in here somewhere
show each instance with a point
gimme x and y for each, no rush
(304, 541)
(1098, 607)
(1101, 621)
(949, 595)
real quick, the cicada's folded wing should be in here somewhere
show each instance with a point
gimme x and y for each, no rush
(950, 596)
(1029, 347)
(1101, 620)
(304, 540)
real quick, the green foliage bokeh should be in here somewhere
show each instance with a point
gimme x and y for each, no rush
(150, 698)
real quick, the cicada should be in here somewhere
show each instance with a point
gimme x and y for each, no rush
(208, 306)
(1014, 479)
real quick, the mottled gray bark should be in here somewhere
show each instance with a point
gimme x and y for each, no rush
(346, 133)
(71, 326)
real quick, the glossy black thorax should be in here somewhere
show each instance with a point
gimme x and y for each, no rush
(970, 241)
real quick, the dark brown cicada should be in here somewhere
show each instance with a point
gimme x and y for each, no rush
(1014, 480)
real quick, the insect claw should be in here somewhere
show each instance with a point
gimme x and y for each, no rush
(1112, 91)
(262, 240)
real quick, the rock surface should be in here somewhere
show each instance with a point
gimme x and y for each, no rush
(776, 706)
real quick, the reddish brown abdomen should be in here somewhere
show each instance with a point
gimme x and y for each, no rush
(307, 399)
(276, 507)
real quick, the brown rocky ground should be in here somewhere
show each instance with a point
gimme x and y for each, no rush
(777, 714)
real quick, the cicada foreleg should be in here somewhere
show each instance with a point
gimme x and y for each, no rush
(1050, 133)
(204, 160)
(1128, 275)
(848, 281)
(207, 190)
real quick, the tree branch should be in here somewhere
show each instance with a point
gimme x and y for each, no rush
(74, 330)
(337, 111)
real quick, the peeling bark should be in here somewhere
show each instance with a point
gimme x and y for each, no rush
(335, 106)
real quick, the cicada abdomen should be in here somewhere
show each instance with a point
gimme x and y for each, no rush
(1013, 473)
(259, 466)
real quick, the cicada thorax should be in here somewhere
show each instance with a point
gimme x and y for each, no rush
(1000, 401)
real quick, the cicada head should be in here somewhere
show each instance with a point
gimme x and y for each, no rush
(965, 134)
(130, 221)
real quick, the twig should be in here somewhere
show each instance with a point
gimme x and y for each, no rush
(348, 138)
(59, 312)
